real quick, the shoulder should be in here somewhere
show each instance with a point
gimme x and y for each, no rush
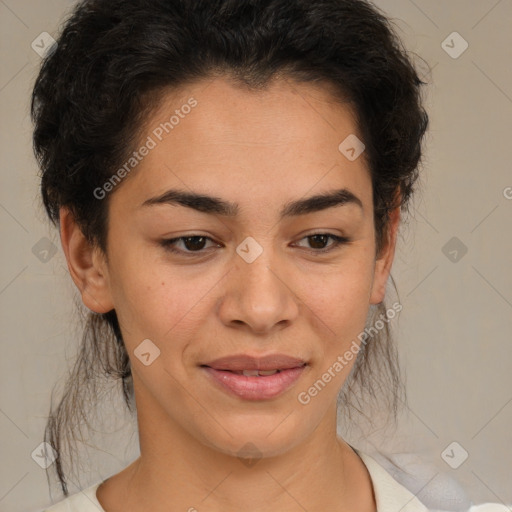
(436, 489)
(409, 481)
(83, 501)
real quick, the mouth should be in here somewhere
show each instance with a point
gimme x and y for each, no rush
(251, 378)
(248, 363)
(254, 373)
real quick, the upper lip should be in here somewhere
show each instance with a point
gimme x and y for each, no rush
(239, 362)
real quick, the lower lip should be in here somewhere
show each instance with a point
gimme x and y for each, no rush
(256, 388)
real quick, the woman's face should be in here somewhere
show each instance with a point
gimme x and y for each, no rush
(254, 281)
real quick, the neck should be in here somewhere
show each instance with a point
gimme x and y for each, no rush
(176, 471)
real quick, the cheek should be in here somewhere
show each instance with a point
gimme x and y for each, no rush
(158, 301)
(340, 298)
(142, 295)
(339, 309)
(149, 306)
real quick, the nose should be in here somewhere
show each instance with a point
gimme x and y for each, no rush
(258, 295)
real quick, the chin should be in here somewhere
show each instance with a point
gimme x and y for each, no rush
(255, 440)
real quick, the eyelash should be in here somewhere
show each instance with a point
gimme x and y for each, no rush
(168, 244)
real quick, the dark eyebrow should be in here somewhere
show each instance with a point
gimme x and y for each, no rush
(215, 205)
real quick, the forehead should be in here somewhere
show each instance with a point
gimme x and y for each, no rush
(264, 146)
(283, 113)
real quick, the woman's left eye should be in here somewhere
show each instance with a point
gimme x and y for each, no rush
(195, 244)
(321, 239)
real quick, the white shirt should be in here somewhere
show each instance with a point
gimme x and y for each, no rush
(390, 495)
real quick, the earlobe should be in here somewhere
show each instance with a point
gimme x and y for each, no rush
(385, 260)
(86, 264)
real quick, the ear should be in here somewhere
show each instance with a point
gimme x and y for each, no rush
(385, 258)
(86, 263)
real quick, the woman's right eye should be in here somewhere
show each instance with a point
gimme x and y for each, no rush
(194, 244)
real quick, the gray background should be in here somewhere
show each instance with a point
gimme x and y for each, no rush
(454, 333)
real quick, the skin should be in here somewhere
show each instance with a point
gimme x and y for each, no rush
(260, 150)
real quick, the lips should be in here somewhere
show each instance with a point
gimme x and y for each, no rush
(241, 363)
(255, 378)
(258, 387)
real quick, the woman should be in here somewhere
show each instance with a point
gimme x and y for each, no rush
(228, 178)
